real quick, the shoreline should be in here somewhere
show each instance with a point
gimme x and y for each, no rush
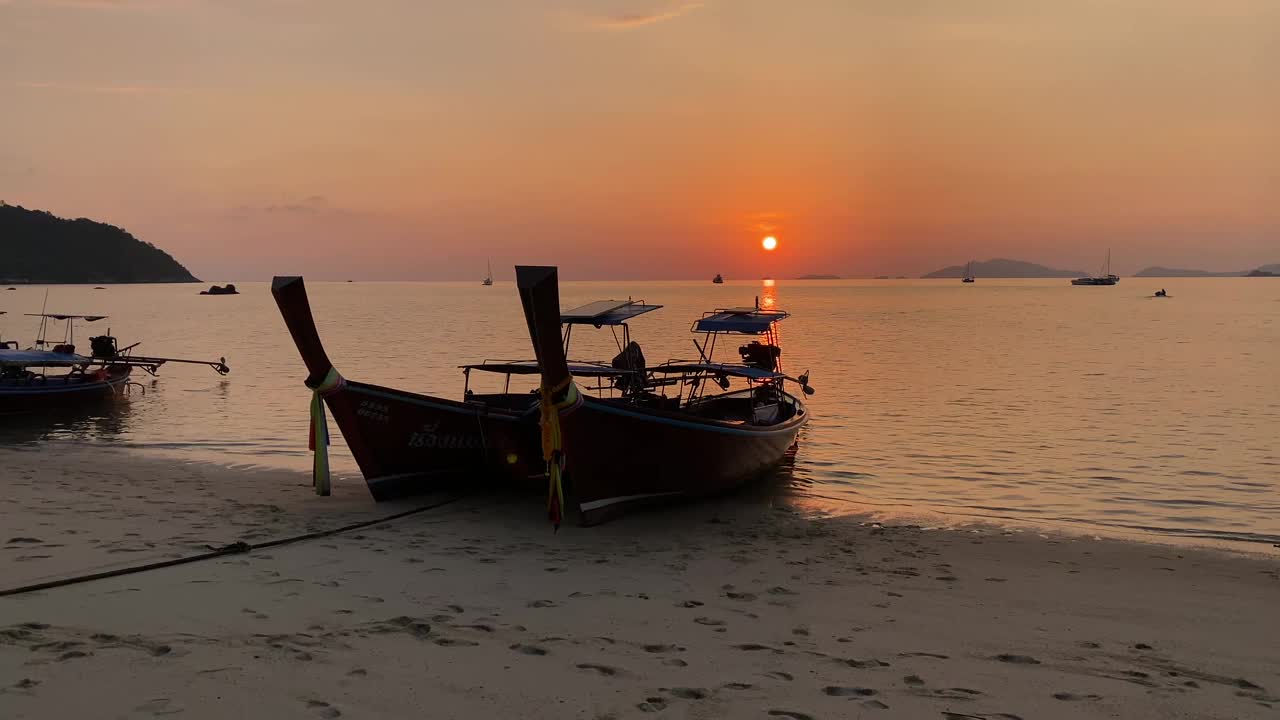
(725, 608)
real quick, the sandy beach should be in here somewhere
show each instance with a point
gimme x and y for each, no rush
(475, 609)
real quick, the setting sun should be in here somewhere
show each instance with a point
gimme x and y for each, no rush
(769, 243)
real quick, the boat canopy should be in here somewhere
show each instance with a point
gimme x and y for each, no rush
(40, 358)
(748, 321)
(530, 367)
(733, 370)
(86, 318)
(605, 312)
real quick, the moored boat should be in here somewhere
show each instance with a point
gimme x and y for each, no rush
(718, 279)
(619, 453)
(1103, 278)
(27, 384)
(408, 443)
(968, 273)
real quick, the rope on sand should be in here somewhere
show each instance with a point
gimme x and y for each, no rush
(234, 548)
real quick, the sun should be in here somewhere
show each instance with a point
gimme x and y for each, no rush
(769, 243)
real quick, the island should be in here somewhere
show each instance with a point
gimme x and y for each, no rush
(42, 248)
(818, 277)
(1003, 268)
(1164, 272)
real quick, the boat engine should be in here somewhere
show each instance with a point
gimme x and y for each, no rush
(758, 355)
(103, 346)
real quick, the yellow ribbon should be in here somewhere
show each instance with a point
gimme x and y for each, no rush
(552, 444)
(320, 432)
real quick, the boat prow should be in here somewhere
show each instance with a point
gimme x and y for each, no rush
(407, 443)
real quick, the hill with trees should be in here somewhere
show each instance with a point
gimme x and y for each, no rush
(40, 247)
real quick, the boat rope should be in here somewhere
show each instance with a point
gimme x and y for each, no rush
(552, 443)
(319, 436)
(234, 548)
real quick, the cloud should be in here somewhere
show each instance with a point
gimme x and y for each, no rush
(310, 205)
(99, 89)
(633, 20)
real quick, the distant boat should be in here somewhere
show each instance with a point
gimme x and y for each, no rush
(488, 276)
(718, 279)
(968, 273)
(1103, 278)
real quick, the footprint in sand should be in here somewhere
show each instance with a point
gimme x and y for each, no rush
(708, 621)
(454, 642)
(689, 604)
(323, 709)
(529, 649)
(663, 648)
(601, 669)
(1017, 659)
(863, 664)
(838, 691)
(779, 675)
(541, 604)
(792, 714)
(742, 596)
(653, 704)
(675, 662)
(687, 693)
(358, 672)
(913, 680)
(26, 684)
(737, 686)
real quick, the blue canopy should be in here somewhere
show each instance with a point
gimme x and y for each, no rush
(40, 358)
(748, 321)
(606, 312)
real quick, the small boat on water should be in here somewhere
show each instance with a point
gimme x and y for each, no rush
(718, 279)
(648, 446)
(488, 276)
(1161, 293)
(26, 383)
(408, 443)
(1103, 278)
(968, 273)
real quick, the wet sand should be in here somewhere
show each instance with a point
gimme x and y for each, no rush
(476, 609)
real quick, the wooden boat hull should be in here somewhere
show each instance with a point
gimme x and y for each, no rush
(406, 443)
(618, 458)
(618, 455)
(17, 395)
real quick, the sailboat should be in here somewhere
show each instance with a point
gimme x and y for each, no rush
(968, 273)
(1103, 278)
(488, 276)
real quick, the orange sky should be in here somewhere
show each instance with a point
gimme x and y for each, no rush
(406, 139)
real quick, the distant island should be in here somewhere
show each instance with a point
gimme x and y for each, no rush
(41, 248)
(1002, 268)
(818, 277)
(1163, 272)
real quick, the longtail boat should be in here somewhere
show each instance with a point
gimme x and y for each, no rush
(27, 384)
(609, 455)
(407, 442)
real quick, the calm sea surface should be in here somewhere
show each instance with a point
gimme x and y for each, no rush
(1099, 408)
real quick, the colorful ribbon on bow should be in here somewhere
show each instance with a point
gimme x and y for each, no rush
(319, 436)
(552, 444)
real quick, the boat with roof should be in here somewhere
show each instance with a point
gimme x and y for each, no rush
(683, 431)
(52, 372)
(407, 442)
